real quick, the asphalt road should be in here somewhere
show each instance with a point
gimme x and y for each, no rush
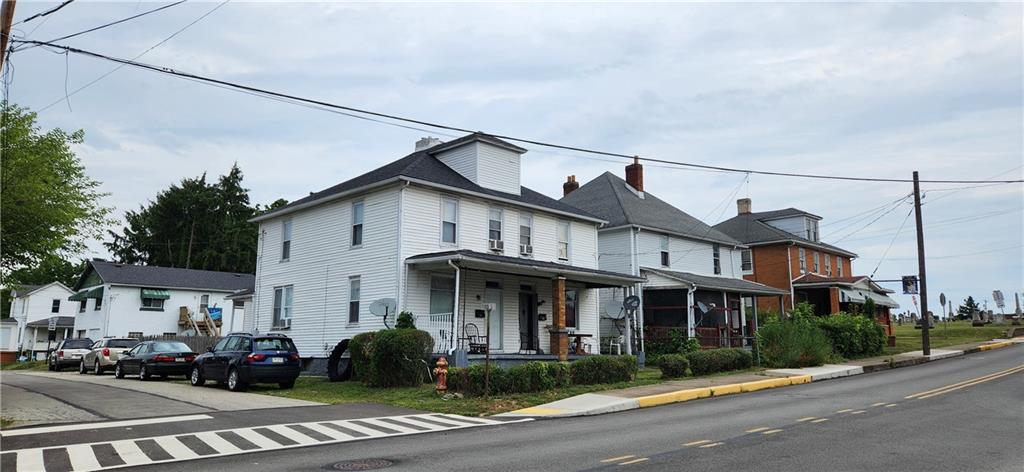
(869, 424)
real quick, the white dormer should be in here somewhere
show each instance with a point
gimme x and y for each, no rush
(488, 162)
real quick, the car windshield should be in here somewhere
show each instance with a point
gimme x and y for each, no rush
(274, 344)
(170, 346)
(77, 344)
(122, 343)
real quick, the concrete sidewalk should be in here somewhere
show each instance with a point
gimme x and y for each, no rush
(676, 391)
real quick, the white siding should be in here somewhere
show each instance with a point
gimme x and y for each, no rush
(462, 159)
(687, 255)
(38, 306)
(320, 266)
(486, 165)
(121, 312)
(615, 251)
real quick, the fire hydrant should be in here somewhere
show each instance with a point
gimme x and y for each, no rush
(441, 372)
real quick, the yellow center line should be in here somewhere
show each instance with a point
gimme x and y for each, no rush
(772, 431)
(983, 380)
(820, 420)
(616, 459)
(845, 410)
(965, 382)
(807, 418)
(891, 405)
(878, 404)
(712, 445)
(634, 461)
(856, 412)
(757, 430)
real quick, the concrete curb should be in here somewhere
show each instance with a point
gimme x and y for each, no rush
(595, 404)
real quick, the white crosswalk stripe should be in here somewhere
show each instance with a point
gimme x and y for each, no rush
(83, 456)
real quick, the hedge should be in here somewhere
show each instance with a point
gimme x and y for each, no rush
(673, 365)
(397, 358)
(674, 341)
(539, 376)
(853, 335)
(796, 342)
(603, 369)
(360, 349)
(719, 360)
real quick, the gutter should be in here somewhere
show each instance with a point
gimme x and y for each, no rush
(461, 257)
(806, 243)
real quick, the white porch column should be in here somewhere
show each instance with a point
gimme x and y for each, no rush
(691, 330)
(743, 315)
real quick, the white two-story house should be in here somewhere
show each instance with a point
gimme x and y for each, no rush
(693, 275)
(445, 230)
(37, 308)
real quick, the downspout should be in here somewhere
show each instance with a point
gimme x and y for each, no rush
(455, 306)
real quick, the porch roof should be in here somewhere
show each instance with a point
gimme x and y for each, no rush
(854, 295)
(521, 266)
(726, 284)
(62, 322)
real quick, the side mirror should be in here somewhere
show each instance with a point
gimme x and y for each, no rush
(209, 349)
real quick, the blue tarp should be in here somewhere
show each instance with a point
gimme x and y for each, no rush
(214, 313)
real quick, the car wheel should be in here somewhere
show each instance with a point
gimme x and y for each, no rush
(118, 371)
(286, 385)
(235, 384)
(57, 367)
(143, 375)
(81, 367)
(50, 366)
(96, 369)
(195, 377)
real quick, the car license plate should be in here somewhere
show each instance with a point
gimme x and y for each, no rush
(76, 356)
(179, 359)
(277, 360)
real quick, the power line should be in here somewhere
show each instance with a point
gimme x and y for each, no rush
(953, 256)
(176, 73)
(869, 224)
(891, 242)
(90, 30)
(47, 12)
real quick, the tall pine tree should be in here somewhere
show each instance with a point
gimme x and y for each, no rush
(965, 310)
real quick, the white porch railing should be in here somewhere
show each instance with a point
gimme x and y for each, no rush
(440, 327)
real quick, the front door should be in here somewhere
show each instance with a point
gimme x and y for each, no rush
(528, 338)
(492, 295)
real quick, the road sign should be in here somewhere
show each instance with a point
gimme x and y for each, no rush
(631, 302)
(942, 299)
(52, 325)
(910, 285)
(997, 296)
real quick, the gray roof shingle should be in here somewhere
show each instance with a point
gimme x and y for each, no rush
(62, 322)
(610, 198)
(727, 284)
(750, 228)
(168, 277)
(422, 165)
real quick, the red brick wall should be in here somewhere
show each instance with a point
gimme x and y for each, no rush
(770, 269)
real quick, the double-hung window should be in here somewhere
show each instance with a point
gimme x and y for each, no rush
(812, 229)
(716, 256)
(354, 287)
(99, 304)
(442, 295)
(449, 220)
(286, 240)
(839, 265)
(803, 261)
(828, 265)
(494, 224)
(282, 306)
(817, 262)
(747, 260)
(525, 234)
(563, 240)
(571, 317)
(152, 304)
(665, 262)
(357, 224)
(81, 305)
(55, 308)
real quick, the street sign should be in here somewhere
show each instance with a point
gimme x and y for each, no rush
(997, 296)
(52, 325)
(631, 302)
(942, 300)
(910, 285)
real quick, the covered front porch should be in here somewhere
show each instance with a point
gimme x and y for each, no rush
(717, 311)
(37, 335)
(506, 307)
(845, 294)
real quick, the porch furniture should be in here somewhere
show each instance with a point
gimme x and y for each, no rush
(578, 342)
(616, 342)
(529, 344)
(477, 343)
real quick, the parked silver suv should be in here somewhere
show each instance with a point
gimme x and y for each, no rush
(69, 353)
(104, 354)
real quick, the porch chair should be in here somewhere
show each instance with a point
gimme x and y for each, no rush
(616, 342)
(477, 344)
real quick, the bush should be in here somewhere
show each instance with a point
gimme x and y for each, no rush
(399, 358)
(853, 335)
(526, 378)
(675, 341)
(405, 321)
(530, 377)
(719, 360)
(361, 349)
(603, 369)
(797, 342)
(673, 365)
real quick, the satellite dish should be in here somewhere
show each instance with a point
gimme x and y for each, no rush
(384, 307)
(631, 302)
(614, 310)
(702, 307)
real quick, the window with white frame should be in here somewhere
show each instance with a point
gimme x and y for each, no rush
(817, 262)
(442, 294)
(449, 220)
(811, 225)
(828, 264)
(282, 305)
(286, 240)
(55, 307)
(525, 234)
(494, 224)
(357, 224)
(354, 289)
(204, 303)
(563, 240)
(747, 260)
(839, 266)
(716, 258)
(152, 304)
(665, 261)
(803, 261)
(81, 305)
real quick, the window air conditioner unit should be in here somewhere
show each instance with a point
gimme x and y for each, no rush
(284, 324)
(525, 249)
(497, 245)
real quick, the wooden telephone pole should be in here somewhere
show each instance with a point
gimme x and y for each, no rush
(925, 318)
(6, 17)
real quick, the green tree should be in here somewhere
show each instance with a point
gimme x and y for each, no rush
(195, 224)
(868, 309)
(50, 206)
(967, 308)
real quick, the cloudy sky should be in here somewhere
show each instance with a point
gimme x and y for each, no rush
(856, 89)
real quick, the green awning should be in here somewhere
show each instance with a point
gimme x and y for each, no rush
(78, 296)
(155, 293)
(95, 293)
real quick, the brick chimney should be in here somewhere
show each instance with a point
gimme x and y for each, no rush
(743, 206)
(635, 175)
(570, 185)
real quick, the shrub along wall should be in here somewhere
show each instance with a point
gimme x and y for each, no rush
(719, 360)
(673, 365)
(392, 357)
(539, 376)
(796, 342)
(853, 335)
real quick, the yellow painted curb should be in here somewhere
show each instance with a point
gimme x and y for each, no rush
(763, 384)
(729, 389)
(539, 411)
(717, 391)
(988, 347)
(673, 397)
(799, 379)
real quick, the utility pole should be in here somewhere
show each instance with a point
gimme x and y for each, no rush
(925, 318)
(6, 17)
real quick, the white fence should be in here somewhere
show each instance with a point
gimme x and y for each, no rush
(441, 328)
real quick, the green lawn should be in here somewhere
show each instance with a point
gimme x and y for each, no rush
(30, 365)
(944, 334)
